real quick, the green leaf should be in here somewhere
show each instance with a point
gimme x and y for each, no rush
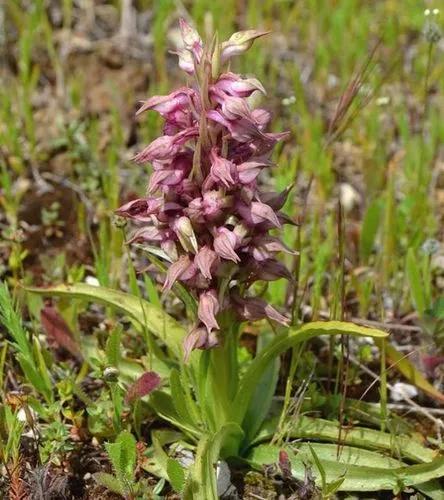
(326, 430)
(110, 482)
(34, 377)
(182, 401)
(11, 320)
(280, 344)
(162, 404)
(176, 474)
(201, 483)
(402, 363)
(263, 395)
(360, 470)
(416, 286)
(128, 446)
(123, 456)
(42, 368)
(155, 319)
(156, 458)
(113, 346)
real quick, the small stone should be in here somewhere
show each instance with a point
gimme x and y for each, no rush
(349, 196)
(401, 390)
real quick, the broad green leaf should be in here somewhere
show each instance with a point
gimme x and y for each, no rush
(110, 482)
(123, 455)
(415, 283)
(176, 474)
(128, 445)
(360, 470)
(114, 451)
(403, 364)
(280, 344)
(263, 395)
(155, 319)
(326, 430)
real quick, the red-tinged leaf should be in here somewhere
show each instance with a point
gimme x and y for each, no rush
(144, 385)
(58, 331)
(284, 464)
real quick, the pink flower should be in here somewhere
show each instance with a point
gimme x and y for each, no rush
(204, 260)
(233, 85)
(224, 244)
(206, 209)
(208, 309)
(199, 338)
(254, 308)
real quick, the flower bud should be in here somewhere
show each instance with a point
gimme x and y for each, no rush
(204, 260)
(185, 233)
(208, 309)
(198, 338)
(186, 62)
(258, 213)
(239, 43)
(224, 244)
(248, 171)
(254, 308)
(167, 104)
(119, 221)
(222, 170)
(191, 39)
(140, 209)
(175, 271)
(111, 374)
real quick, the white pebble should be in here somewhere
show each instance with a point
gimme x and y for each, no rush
(402, 390)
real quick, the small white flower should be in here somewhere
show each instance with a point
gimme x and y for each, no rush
(427, 12)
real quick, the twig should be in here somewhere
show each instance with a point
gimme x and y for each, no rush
(409, 409)
(389, 326)
(415, 406)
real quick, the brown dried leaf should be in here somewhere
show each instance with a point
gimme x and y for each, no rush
(58, 331)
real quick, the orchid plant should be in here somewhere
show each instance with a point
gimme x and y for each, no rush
(209, 223)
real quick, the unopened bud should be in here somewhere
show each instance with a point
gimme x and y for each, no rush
(185, 233)
(111, 374)
(119, 222)
(239, 43)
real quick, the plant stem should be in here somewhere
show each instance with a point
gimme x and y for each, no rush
(223, 374)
